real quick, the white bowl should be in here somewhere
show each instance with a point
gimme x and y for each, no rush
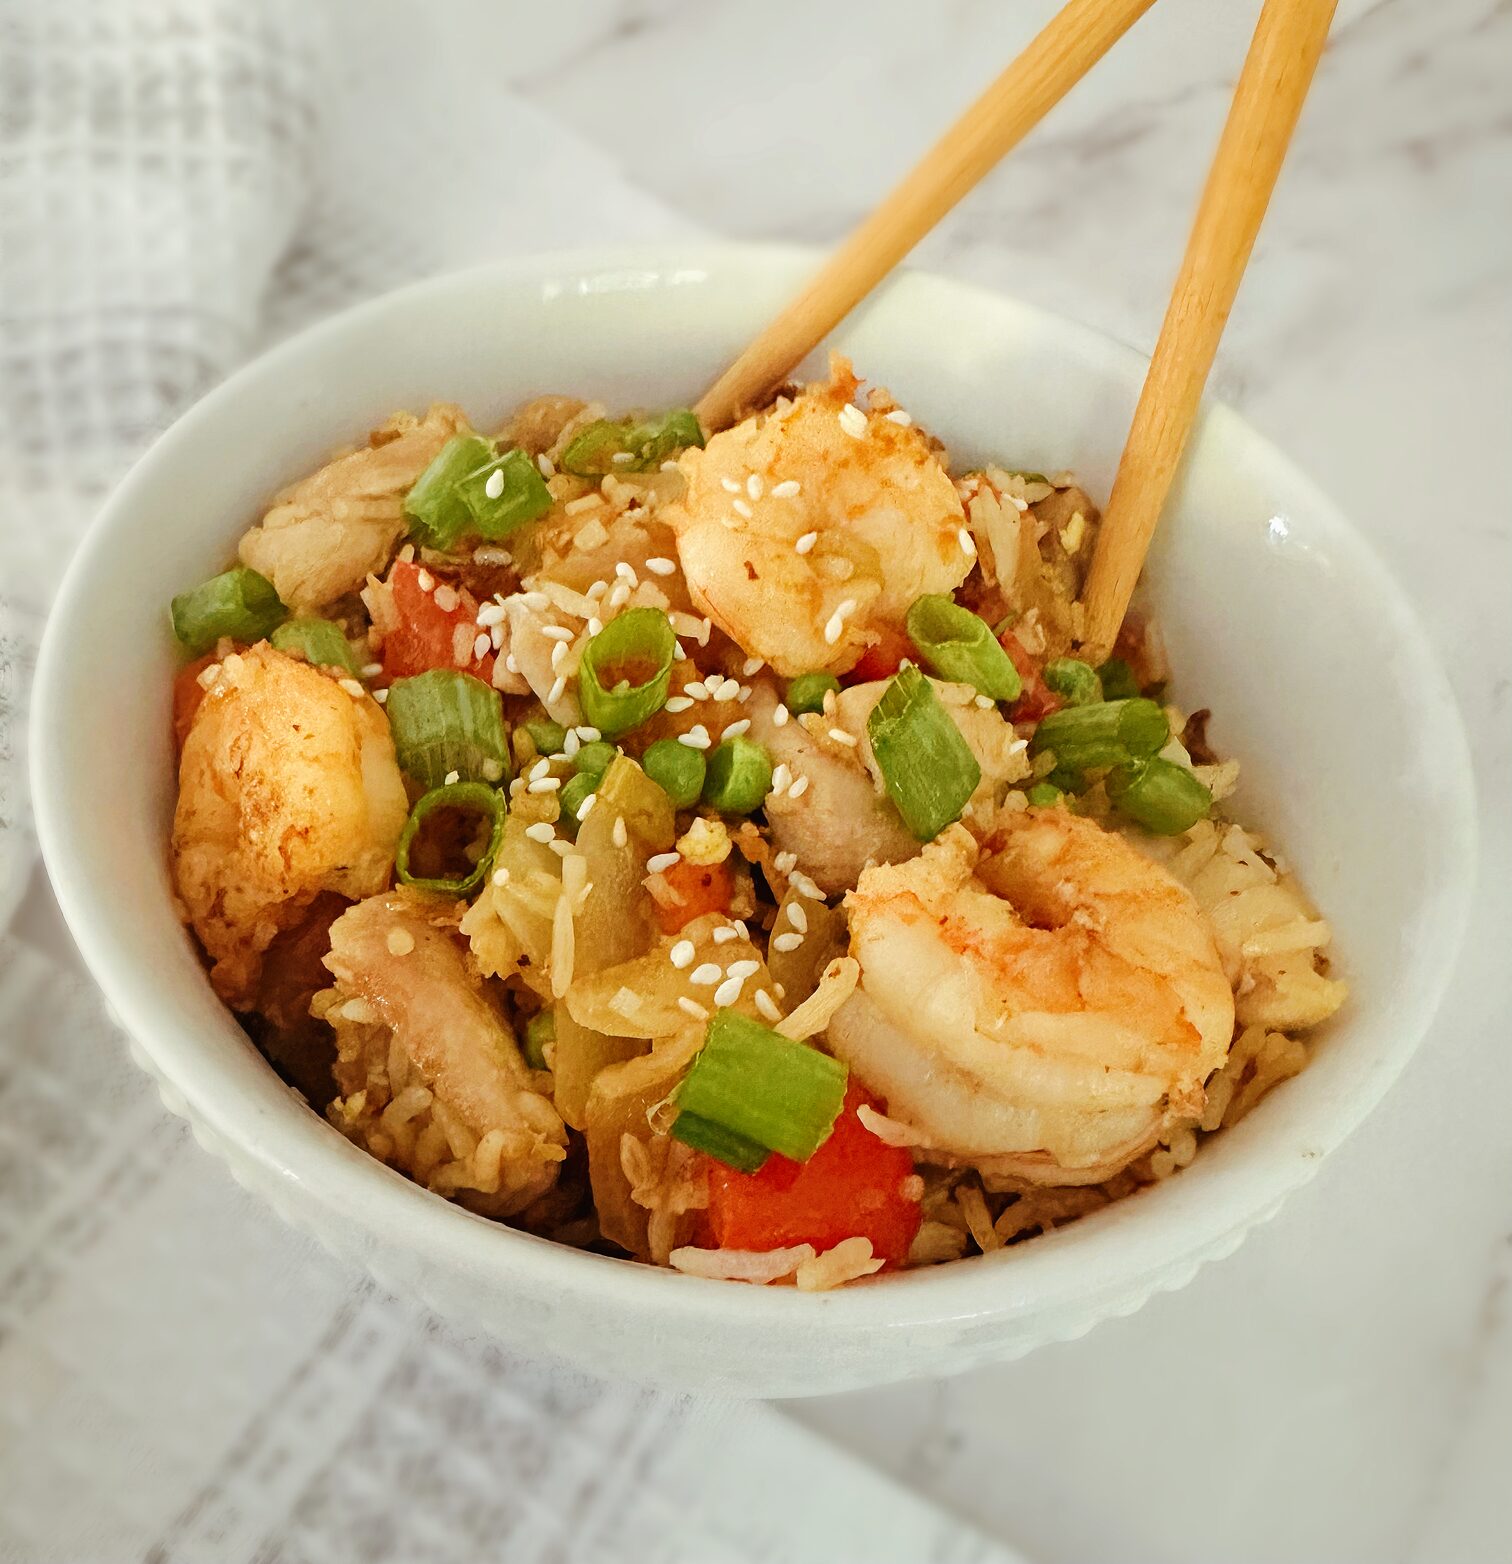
(1279, 618)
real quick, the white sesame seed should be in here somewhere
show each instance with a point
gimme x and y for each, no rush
(780, 716)
(495, 485)
(496, 637)
(596, 591)
(451, 777)
(967, 542)
(558, 654)
(559, 847)
(446, 598)
(556, 632)
(853, 420)
(786, 942)
(723, 935)
(729, 485)
(583, 502)
(545, 466)
(425, 580)
(755, 486)
(353, 688)
(706, 974)
(595, 624)
(766, 1005)
(898, 416)
(726, 691)
(799, 788)
(545, 785)
(829, 703)
(620, 595)
(677, 651)
(586, 806)
(511, 664)
(501, 877)
(786, 490)
(621, 458)
(986, 702)
(535, 600)
(806, 886)
(539, 769)
(661, 566)
(798, 917)
(677, 703)
(741, 929)
(682, 953)
(482, 644)
(540, 832)
(785, 863)
(626, 573)
(696, 737)
(705, 630)
(557, 690)
(659, 861)
(735, 729)
(751, 666)
(400, 942)
(806, 542)
(692, 1007)
(371, 670)
(744, 968)
(836, 625)
(587, 733)
(491, 614)
(728, 991)
(840, 736)
(381, 696)
(571, 743)
(742, 508)
(782, 775)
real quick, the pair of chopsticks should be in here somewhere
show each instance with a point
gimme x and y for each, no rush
(1268, 98)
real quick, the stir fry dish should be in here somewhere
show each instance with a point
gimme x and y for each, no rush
(712, 850)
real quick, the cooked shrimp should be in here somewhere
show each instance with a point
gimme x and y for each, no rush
(431, 1080)
(1040, 1006)
(803, 507)
(325, 534)
(287, 787)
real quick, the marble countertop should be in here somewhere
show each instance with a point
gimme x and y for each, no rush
(1342, 1388)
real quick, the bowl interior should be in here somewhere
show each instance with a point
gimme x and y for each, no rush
(1278, 617)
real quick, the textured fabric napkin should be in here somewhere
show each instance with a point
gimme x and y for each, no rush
(181, 1377)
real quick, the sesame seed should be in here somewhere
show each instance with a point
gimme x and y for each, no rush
(840, 736)
(620, 458)
(705, 630)
(799, 788)
(806, 886)
(696, 689)
(571, 743)
(967, 542)
(539, 769)
(595, 624)
(780, 716)
(692, 1007)
(798, 917)
(898, 416)
(481, 645)
(782, 776)
(742, 508)
(836, 625)
(785, 862)
(381, 696)
(744, 968)
(496, 637)
(540, 832)
(495, 485)
(659, 861)
(986, 702)
(677, 703)
(829, 703)
(451, 777)
(558, 654)
(786, 942)
(535, 600)
(729, 485)
(621, 835)
(446, 598)
(853, 420)
(587, 733)
(558, 689)
(677, 651)
(682, 953)
(696, 737)
(786, 490)
(620, 595)
(371, 670)
(501, 877)
(407, 554)
(559, 847)
(806, 542)
(728, 991)
(545, 785)
(556, 632)
(706, 974)
(627, 573)
(661, 566)
(425, 580)
(766, 1005)
(741, 929)
(596, 591)
(545, 466)
(511, 664)
(583, 502)
(491, 614)
(353, 688)
(735, 729)
(752, 665)
(586, 805)
(723, 936)
(727, 691)
(755, 486)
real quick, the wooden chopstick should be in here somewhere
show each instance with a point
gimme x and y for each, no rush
(1278, 70)
(1070, 44)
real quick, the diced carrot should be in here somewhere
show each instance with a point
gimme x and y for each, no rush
(854, 1186)
(700, 888)
(426, 635)
(187, 695)
(1037, 699)
(881, 659)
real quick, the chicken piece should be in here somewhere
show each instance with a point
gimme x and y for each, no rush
(288, 786)
(431, 1079)
(1040, 1008)
(325, 534)
(840, 516)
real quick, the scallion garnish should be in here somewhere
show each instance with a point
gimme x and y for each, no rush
(473, 796)
(540, 1029)
(504, 494)
(238, 603)
(1111, 733)
(574, 793)
(321, 643)
(1075, 682)
(446, 721)
(751, 1091)
(928, 767)
(956, 644)
(1118, 681)
(626, 670)
(594, 759)
(678, 770)
(435, 505)
(1043, 795)
(547, 736)
(739, 776)
(807, 692)
(1166, 799)
(643, 444)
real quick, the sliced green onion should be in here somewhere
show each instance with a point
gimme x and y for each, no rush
(1028, 477)
(1075, 682)
(1166, 799)
(735, 1151)
(439, 512)
(594, 759)
(739, 776)
(540, 1029)
(475, 796)
(807, 692)
(643, 444)
(958, 645)
(928, 767)
(574, 792)
(548, 737)
(321, 643)
(1044, 794)
(504, 494)
(446, 721)
(678, 770)
(626, 670)
(1118, 681)
(759, 1090)
(240, 603)
(1110, 733)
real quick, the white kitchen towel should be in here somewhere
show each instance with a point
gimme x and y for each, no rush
(183, 1379)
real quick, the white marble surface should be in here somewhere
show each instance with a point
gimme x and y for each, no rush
(1341, 1389)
